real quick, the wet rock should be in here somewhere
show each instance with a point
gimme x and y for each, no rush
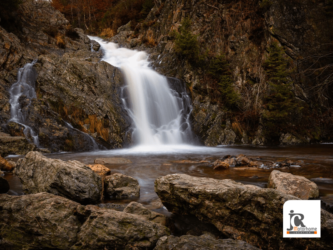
(220, 165)
(120, 186)
(14, 145)
(6, 165)
(46, 221)
(117, 207)
(231, 161)
(71, 179)
(203, 242)
(4, 186)
(100, 169)
(238, 211)
(95, 45)
(295, 185)
(139, 209)
(242, 160)
(113, 160)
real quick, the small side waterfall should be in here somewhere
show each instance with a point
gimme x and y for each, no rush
(160, 114)
(93, 144)
(25, 86)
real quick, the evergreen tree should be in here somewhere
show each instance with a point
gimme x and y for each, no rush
(186, 44)
(280, 104)
(220, 69)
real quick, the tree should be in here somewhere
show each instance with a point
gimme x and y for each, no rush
(280, 104)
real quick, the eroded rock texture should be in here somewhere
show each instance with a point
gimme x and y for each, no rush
(295, 185)
(47, 221)
(242, 212)
(71, 179)
(76, 92)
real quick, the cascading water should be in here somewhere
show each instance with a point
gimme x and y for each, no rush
(160, 114)
(25, 86)
(93, 145)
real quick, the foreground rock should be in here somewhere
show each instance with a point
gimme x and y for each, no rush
(100, 169)
(139, 209)
(70, 179)
(120, 186)
(14, 145)
(203, 242)
(4, 186)
(243, 212)
(46, 221)
(5, 165)
(295, 185)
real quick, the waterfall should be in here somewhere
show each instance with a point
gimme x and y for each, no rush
(90, 138)
(25, 86)
(160, 114)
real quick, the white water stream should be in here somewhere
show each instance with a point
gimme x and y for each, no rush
(160, 114)
(25, 86)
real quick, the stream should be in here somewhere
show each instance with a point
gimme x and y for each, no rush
(149, 163)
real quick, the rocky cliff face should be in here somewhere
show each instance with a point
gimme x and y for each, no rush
(244, 31)
(73, 86)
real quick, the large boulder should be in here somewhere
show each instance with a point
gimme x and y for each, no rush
(71, 179)
(46, 221)
(4, 186)
(139, 209)
(295, 185)
(203, 242)
(238, 211)
(120, 186)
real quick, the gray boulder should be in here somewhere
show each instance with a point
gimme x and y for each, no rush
(238, 211)
(71, 179)
(120, 186)
(203, 242)
(47, 221)
(295, 185)
(139, 209)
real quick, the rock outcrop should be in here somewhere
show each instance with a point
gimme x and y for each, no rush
(139, 209)
(47, 221)
(203, 242)
(71, 179)
(77, 94)
(295, 185)
(243, 212)
(120, 186)
(14, 145)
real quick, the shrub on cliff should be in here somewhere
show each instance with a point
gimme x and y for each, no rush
(280, 104)
(186, 43)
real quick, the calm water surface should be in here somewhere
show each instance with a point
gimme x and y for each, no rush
(149, 163)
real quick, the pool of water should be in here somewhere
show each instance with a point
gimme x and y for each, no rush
(149, 163)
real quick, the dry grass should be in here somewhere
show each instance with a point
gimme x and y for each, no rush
(107, 33)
